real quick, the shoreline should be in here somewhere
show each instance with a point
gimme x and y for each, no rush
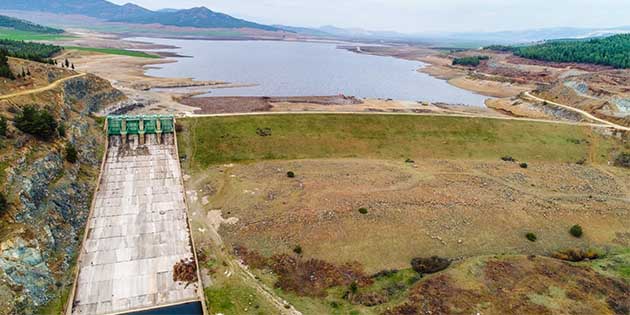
(155, 94)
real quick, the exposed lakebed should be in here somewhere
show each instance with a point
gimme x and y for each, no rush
(277, 68)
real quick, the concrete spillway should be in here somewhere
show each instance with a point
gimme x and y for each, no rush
(137, 232)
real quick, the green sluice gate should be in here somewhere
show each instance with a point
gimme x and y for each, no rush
(143, 124)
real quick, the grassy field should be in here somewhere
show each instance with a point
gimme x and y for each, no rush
(113, 51)
(12, 34)
(235, 139)
(455, 199)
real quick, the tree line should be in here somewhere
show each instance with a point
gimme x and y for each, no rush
(469, 61)
(611, 51)
(31, 51)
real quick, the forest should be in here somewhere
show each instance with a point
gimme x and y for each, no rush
(26, 26)
(611, 51)
(5, 70)
(31, 51)
(469, 61)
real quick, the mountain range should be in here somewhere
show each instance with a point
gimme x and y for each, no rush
(200, 17)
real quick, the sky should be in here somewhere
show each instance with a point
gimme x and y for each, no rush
(418, 16)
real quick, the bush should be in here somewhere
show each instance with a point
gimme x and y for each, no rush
(290, 174)
(62, 130)
(3, 204)
(298, 250)
(3, 127)
(72, 155)
(523, 165)
(623, 160)
(531, 237)
(430, 265)
(576, 231)
(508, 159)
(363, 210)
(575, 255)
(38, 122)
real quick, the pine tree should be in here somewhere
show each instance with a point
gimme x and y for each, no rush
(73, 66)
(67, 63)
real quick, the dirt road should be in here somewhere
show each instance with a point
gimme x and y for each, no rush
(579, 111)
(51, 86)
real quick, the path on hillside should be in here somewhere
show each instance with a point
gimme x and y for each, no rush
(51, 86)
(579, 111)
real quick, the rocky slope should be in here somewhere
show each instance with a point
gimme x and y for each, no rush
(48, 197)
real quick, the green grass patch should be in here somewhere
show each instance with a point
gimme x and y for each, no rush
(12, 34)
(114, 51)
(215, 140)
(615, 264)
(231, 297)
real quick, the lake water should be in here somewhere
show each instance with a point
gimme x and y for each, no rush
(305, 69)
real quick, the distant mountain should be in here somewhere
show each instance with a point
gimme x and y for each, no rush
(303, 30)
(26, 26)
(130, 13)
(195, 17)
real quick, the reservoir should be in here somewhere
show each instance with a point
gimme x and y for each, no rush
(281, 68)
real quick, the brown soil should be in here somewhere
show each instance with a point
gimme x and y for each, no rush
(41, 76)
(445, 208)
(223, 105)
(518, 285)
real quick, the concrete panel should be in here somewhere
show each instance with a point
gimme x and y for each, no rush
(137, 233)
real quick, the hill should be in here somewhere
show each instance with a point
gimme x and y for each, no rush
(200, 17)
(609, 51)
(26, 26)
(348, 196)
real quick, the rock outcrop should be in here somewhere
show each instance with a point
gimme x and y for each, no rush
(49, 198)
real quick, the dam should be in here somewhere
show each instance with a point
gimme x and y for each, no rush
(138, 229)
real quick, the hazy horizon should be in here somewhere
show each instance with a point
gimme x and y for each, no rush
(409, 16)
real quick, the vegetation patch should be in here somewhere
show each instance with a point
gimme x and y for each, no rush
(576, 254)
(608, 51)
(37, 122)
(220, 140)
(305, 277)
(531, 237)
(114, 51)
(469, 61)
(23, 25)
(430, 265)
(576, 231)
(623, 160)
(31, 51)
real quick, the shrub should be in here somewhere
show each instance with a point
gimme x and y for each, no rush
(523, 165)
(354, 287)
(531, 237)
(72, 155)
(430, 265)
(623, 160)
(37, 122)
(363, 210)
(61, 130)
(576, 231)
(410, 161)
(507, 158)
(575, 255)
(298, 250)
(3, 127)
(3, 204)
(290, 174)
